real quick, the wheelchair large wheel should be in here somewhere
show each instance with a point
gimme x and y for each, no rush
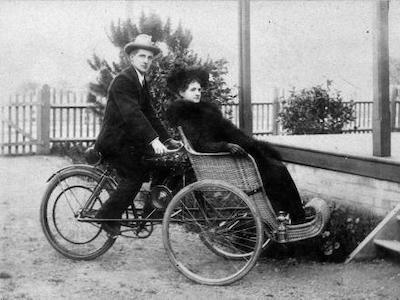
(243, 229)
(205, 226)
(61, 206)
(234, 254)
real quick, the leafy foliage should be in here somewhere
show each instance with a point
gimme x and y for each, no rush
(314, 111)
(394, 70)
(28, 87)
(75, 151)
(178, 54)
(348, 226)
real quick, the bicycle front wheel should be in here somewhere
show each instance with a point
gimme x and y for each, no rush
(212, 232)
(61, 206)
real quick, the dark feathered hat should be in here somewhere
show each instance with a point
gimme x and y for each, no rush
(181, 77)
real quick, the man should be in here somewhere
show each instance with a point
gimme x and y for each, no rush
(130, 129)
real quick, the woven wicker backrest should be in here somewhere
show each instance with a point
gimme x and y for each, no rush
(241, 172)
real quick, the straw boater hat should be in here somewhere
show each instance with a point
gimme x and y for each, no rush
(142, 41)
(182, 76)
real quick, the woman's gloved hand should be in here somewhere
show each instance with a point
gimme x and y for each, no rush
(236, 149)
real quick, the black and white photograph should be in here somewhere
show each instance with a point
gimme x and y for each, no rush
(199, 149)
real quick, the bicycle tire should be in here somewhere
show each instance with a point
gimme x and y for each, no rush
(69, 242)
(186, 220)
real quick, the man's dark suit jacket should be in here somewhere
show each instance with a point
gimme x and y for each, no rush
(130, 120)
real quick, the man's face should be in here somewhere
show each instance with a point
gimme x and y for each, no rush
(141, 59)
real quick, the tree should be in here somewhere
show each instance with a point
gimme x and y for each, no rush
(314, 111)
(177, 42)
(394, 70)
(28, 87)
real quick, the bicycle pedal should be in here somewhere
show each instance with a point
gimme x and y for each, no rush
(112, 230)
(113, 236)
(91, 213)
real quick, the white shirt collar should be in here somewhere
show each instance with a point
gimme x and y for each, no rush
(140, 76)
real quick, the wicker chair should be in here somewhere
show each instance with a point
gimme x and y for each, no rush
(243, 173)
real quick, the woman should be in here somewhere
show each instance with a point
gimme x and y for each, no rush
(209, 131)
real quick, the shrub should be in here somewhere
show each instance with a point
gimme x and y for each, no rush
(346, 229)
(315, 111)
(72, 150)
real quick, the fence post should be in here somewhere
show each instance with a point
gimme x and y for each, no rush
(43, 121)
(393, 98)
(275, 112)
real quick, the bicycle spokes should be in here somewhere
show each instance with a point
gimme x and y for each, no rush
(61, 210)
(212, 234)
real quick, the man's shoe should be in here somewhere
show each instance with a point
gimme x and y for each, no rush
(309, 213)
(112, 228)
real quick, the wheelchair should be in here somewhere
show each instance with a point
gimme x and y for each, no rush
(213, 228)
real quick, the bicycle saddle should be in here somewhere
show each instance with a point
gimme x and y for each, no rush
(92, 156)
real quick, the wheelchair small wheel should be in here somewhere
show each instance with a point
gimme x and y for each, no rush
(212, 232)
(61, 206)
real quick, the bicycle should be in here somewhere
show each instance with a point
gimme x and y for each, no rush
(213, 229)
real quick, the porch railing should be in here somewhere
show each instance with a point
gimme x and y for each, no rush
(32, 123)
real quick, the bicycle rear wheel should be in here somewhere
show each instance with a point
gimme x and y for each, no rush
(61, 206)
(212, 232)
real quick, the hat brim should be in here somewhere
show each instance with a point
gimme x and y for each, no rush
(133, 46)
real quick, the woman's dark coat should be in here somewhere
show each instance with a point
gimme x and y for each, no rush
(209, 131)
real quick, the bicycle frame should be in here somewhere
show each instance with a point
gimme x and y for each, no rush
(105, 176)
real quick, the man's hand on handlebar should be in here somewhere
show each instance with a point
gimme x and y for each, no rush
(158, 147)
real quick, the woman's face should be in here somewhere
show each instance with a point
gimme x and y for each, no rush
(192, 93)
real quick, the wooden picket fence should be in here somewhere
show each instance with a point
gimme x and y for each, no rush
(19, 124)
(32, 123)
(265, 121)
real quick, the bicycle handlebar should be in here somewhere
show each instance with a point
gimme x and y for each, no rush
(169, 151)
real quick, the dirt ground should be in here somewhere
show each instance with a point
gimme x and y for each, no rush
(139, 269)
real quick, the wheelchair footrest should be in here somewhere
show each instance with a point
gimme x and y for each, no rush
(313, 227)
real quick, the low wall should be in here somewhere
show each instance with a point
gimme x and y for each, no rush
(378, 196)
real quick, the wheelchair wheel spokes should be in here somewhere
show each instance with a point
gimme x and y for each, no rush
(235, 236)
(63, 203)
(232, 241)
(212, 241)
